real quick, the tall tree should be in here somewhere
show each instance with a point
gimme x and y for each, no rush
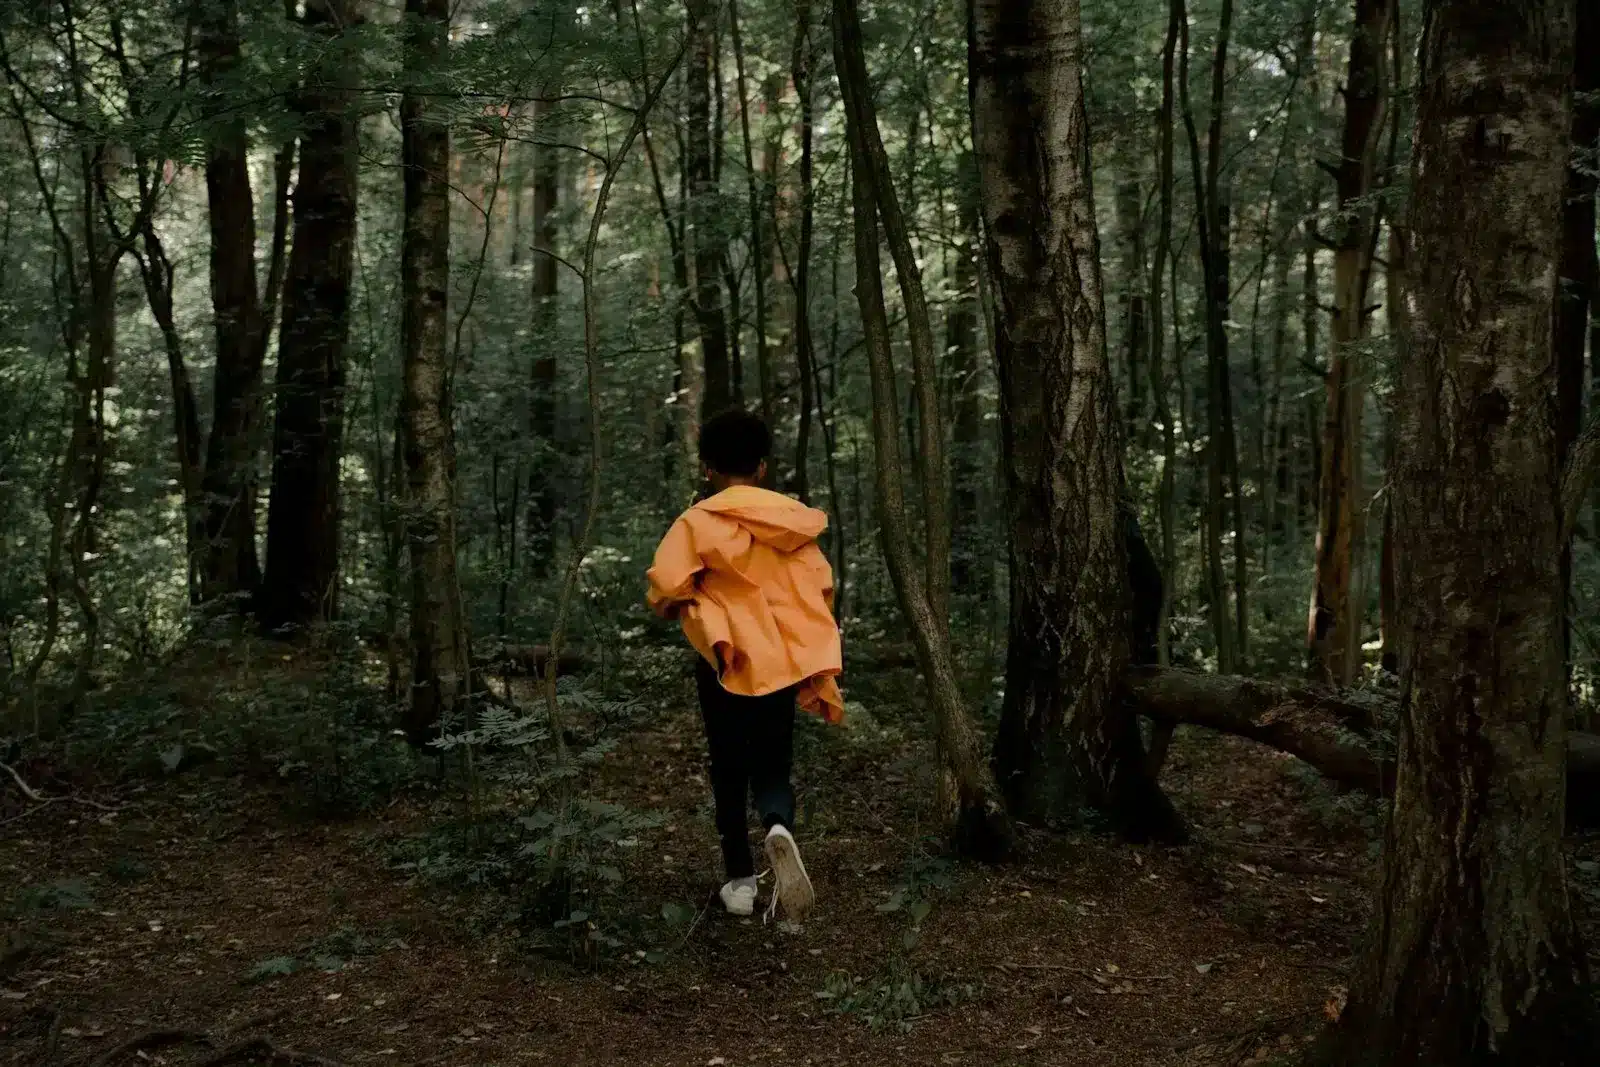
(303, 516)
(1212, 221)
(1333, 635)
(967, 468)
(547, 341)
(978, 820)
(440, 660)
(1065, 739)
(705, 219)
(1579, 266)
(1474, 957)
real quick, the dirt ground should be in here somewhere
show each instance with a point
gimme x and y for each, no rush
(1230, 950)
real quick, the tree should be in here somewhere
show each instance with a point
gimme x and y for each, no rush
(303, 516)
(440, 657)
(546, 339)
(1222, 459)
(1473, 956)
(1064, 738)
(1333, 636)
(705, 219)
(978, 822)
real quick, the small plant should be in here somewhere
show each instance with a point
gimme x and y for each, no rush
(68, 895)
(328, 954)
(895, 997)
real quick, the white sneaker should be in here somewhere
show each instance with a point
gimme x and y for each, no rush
(739, 896)
(792, 892)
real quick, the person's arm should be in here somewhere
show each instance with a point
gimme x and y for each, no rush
(672, 575)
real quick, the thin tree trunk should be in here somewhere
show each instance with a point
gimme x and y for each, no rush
(1473, 955)
(802, 63)
(705, 210)
(303, 517)
(979, 823)
(759, 257)
(440, 658)
(545, 459)
(228, 565)
(968, 473)
(1333, 637)
(932, 473)
(1167, 494)
(1208, 199)
(1130, 226)
(1065, 739)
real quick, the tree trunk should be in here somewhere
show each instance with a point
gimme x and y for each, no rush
(1167, 494)
(1474, 957)
(979, 823)
(1333, 635)
(228, 565)
(441, 667)
(1130, 227)
(545, 460)
(759, 257)
(968, 475)
(1209, 219)
(1065, 740)
(705, 211)
(802, 63)
(303, 517)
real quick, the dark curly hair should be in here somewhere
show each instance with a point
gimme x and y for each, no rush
(734, 443)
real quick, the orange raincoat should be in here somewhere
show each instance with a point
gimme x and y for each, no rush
(744, 575)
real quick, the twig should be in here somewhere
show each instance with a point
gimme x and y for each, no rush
(27, 790)
(151, 1039)
(1085, 972)
(261, 1048)
(52, 1039)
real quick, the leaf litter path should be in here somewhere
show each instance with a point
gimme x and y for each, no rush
(205, 910)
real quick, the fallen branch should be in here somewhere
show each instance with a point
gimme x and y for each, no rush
(1335, 732)
(259, 1048)
(27, 790)
(151, 1039)
(1327, 730)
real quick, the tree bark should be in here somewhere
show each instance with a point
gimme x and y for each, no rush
(1208, 197)
(759, 257)
(968, 475)
(547, 341)
(1333, 632)
(1065, 741)
(1130, 226)
(979, 824)
(802, 63)
(303, 516)
(228, 565)
(1473, 955)
(441, 664)
(705, 211)
(1167, 493)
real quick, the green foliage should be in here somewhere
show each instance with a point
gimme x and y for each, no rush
(895, 997)
(68, 895)
(327, 954)
(324, 736)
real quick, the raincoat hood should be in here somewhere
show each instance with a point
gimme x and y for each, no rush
(771, 518)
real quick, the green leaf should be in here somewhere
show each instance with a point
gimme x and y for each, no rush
(273, 967)
(677, 914)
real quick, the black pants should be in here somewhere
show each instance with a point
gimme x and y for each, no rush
(751, 742)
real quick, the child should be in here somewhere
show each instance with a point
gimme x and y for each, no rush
(742, 572)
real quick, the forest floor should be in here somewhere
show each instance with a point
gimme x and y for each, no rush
(194, 916)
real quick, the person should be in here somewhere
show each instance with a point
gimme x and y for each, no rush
(742, 572)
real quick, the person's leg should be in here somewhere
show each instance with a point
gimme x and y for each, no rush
(770, 734)
(730, 777)
(771, 758)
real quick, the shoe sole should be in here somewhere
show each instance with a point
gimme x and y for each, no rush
(793, 886)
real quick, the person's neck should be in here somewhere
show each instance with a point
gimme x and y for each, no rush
(719, 482)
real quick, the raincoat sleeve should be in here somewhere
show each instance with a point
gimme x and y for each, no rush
(672, 575)
(817, 563)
